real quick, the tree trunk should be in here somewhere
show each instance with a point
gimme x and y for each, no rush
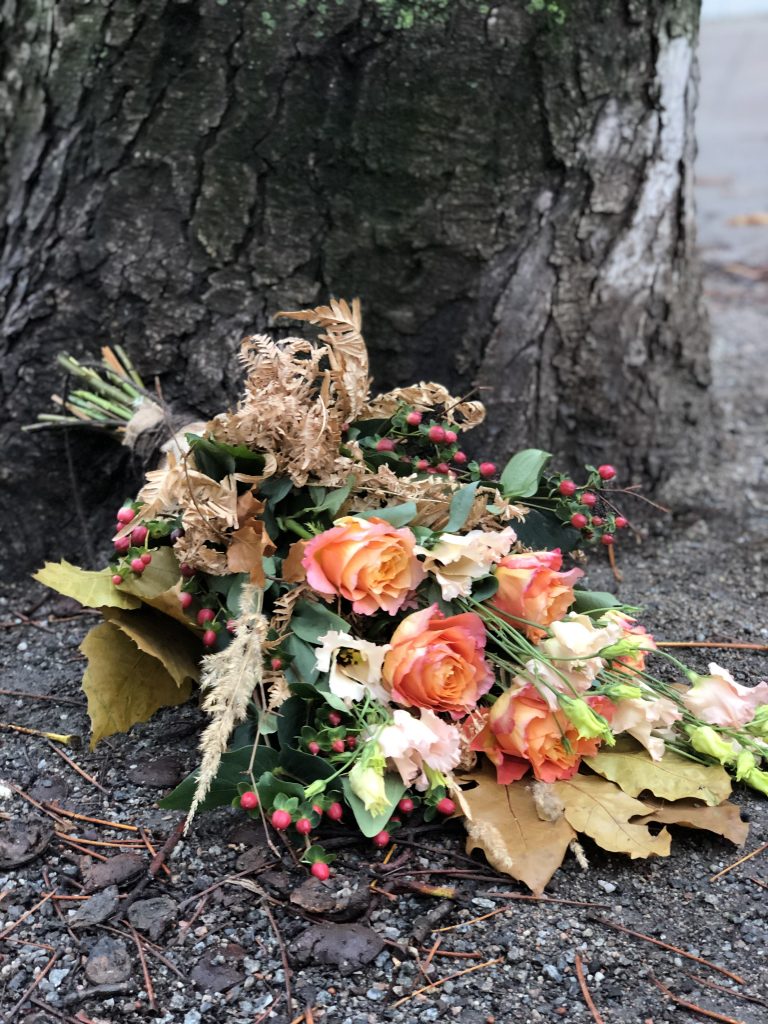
(512, 200)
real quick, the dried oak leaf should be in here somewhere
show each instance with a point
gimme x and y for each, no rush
(603, 812)
(724, 820)
(506, 826)
(124, 685)
(674, 777)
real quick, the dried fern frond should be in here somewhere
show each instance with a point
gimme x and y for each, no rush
(347, 352)
(282, 611)
(427, 397)
(228, 680)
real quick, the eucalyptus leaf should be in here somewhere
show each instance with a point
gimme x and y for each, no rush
(311, 620)
(395, 515)
(589, 601)
(461, 506)
(521, 475)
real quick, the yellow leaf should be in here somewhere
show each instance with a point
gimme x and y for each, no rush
(122, 683)
(172, 645)
(160, 575)
(601, 810)
(91, 589)
(631, 767)
(505, 825)
(724, 819)
(168, 604)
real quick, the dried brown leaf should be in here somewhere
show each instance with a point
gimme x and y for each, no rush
(506, 826)
(725, 819)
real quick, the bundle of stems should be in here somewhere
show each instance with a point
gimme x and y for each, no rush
(112, 392)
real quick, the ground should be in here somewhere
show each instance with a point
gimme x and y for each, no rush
(698, 575)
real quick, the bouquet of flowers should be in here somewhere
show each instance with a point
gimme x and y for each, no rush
(381, 626)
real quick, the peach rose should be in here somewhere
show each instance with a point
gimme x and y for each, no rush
(521, 732)
(437, 662)
(367, 561)
(532, 587)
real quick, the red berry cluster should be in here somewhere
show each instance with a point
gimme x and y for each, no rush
(131, 549)
(304, 817)
(330, 736)
(584, 507)
(430, 446)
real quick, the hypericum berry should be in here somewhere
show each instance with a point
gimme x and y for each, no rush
(277, 664)
(351, 742)
(231, 625)
(334, 718)
(621, 522)
(567, 488)
(579, 520)
(607, 539)
(335, 812)
(597, 520)
(487, 468)
(589, 499)
(320, 870)
(382, 839)
(459, 458)
(176, 535)
(414, 418)
(117, 579)
(185, 599)
(137, 566)
(139, 534)
(421, 465)
(445, 806)
(205, 615)
(313, 747)
(146, 558)
(304, 826)
(406, 805)
(606, 472)
(122, 544)
(209, 637)
(318, 810)
(386, 444)
(436, 433)
(443, 467)
(280, 820)
(125, 515)
(337, 746)
(249, 800)
(186, 570)
(451, 437)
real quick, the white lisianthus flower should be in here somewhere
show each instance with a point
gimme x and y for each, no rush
(573, 651)
(457, 560)
(415, 744)
(719, 700)
(353, 667)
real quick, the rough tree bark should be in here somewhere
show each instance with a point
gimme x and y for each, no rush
(511, 200)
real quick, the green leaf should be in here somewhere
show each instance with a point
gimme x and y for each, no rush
(461, 506)
(91, 589)
(160, 575)
(543, 531)
(520, 477)
(311, 620)
(369, 824)
(306, 767)
(303, 668)
(217, 460)
(395, 515)
(269, 786)
(124, 685)
(672, 778)
(484, 588)
(589, 601)
(331, 501)
(233, 772)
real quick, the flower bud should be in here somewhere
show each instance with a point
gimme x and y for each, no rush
(759, 724)
(314, 789)
(623, 691)
(705, 740)
(367, 783)
(589, 723)
(745, 763)
(757, 780)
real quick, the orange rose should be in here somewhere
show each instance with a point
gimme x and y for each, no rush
(437, 662)
(532, 588)
(367, 561)
(521, 732)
